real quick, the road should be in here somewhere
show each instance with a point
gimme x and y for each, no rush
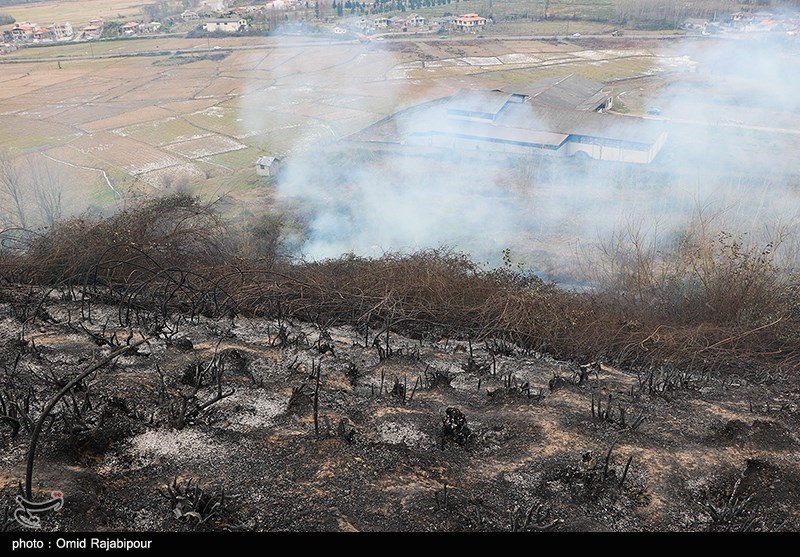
(10, 59)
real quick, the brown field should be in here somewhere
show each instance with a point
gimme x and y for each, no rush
(135, 116)
(78, 12)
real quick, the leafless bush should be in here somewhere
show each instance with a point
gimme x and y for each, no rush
(185, 407)
(732, 513)
(198, 507)
(535, 519)
(705, 300)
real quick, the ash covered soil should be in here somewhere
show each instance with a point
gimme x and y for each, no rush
(414, 435)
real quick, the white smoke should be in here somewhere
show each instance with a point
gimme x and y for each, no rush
(734, 129)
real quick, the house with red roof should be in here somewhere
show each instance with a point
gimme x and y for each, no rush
(469, 23)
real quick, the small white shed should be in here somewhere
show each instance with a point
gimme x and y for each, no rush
(267, 166)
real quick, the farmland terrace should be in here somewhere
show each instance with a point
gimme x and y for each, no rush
(201, 117)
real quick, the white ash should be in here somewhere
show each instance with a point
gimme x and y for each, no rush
(403, 433)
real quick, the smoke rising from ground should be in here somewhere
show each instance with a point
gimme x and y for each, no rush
(734, 129)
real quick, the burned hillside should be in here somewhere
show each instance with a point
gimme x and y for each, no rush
(184, 380)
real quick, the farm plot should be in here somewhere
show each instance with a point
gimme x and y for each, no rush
(205, 146)
(277, 62)
(235, 160)
(19, 134)
(328, 112)
(163, 132)
(187, 106)
(146, 114)
(85, 113)
(223, 86)
(72, 156)
(34, 84)
(134, 157)
(218, 119)
(74, 10)
(173, 85)
(283, 141)
(371, 66)
(315, 61)
(45, 112)
(177, 175)
(85, 89)
(273, 97)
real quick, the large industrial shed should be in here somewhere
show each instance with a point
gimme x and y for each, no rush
(561, 116)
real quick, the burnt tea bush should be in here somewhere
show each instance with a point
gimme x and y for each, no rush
(706, 301)
(175, 231)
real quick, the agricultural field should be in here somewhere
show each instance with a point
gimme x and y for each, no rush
(204, 118)
(78, 12)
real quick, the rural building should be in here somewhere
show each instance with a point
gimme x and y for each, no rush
(92, 32)
(267, 166)
(62, 30)
(247, 10)
(276, 5)
(151, 27)
(23, 32)
(695, 23)
(558, 116)
(211, 6)
(42, 34)
(742, 17)
(469, 23)
(381, 22)
(130, 28)
(94, 29)
(571, 92)
(339, 30)
(224, 24)
(188, 15)
(415, 20)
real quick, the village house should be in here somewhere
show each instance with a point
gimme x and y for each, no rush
(130, 28)
(695, 23)
(94, 29)
(42, 34)
(415, 20)
(23, 32)
(469, 23)
(92, 32)
(152, 27)
(224, 24)
(62, 30)
(247, 10)
(362, 24)
(381, 22)
(189, 16)
(276, 5)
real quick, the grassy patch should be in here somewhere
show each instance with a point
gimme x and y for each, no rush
(164, 132)
(243, 158)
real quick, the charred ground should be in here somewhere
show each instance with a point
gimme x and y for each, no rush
(414, 392)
